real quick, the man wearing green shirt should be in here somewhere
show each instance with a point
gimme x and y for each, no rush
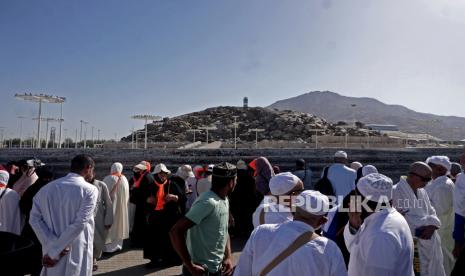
(207, 250)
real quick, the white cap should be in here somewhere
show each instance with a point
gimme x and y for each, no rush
(375, 186)
(314, 202)
(4, 177)
(282, 183)
(161, 168)
(341, 154)
(440, 160)
(366, 170)
(355, 165)
(185, 171)
(141, 166)
(241, 165)
(210, 168)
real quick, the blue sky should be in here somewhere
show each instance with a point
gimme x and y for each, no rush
(113, 59)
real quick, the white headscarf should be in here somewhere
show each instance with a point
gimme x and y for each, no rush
(375, 186)
(4, 177)
(355, 165)
(368, 169)
(116, 168)
(440, 160)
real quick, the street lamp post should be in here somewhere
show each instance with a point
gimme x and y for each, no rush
(76, 140)
(235, 131)
(146, 118)
(256, 130)
(207, 128)
(40, 98)
(193, 130)
(85, 134)
(21, 130)
(316, 135)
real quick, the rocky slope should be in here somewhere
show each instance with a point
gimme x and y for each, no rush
(278, 125)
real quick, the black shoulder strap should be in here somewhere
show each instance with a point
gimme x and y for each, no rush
(3, 193)
(325, 175)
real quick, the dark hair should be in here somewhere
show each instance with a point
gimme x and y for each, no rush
(81, 162)
(300, 163)
(220, 182)
(45, 172)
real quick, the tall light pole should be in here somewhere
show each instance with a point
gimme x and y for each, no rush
(21, 130)
(316, 135)
(235, 131)
(85, 134)
(256, 130)
(61, 125)
(92, 137)
(207, 128)
(47, 121)
(146, 118)
(2, 131)
(40, 98)
(66, 141)
(80, 132)
(132, 138)
(76, 140)
(98, 134)
(193, 130)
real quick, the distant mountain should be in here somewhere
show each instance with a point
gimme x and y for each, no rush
(334, 107)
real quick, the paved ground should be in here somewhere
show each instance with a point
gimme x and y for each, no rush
(130, 262)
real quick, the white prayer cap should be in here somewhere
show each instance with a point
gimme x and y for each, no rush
(161, 168)
(314, 202)
(440, 160)
(355, 165)
(141, 166)
(4, 177)
(368, 169)
(185, 171)
(117, 168)
(341, 154)
(375, 186)
(241, 165)
(282, 183)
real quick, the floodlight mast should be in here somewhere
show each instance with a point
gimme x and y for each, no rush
(40, 98)
(256, 130)
(207, 128)
(146, 117)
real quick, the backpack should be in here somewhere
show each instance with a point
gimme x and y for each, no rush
(323, 185)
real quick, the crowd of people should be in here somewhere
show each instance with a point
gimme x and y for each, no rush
(352, 221)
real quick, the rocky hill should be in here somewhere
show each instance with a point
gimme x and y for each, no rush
(278, 125)
(334, 107)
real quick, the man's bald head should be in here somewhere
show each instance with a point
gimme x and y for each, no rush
(419, 174)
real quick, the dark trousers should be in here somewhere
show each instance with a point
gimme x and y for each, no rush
(459, 268)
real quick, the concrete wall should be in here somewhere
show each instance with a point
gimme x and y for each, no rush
(390, 162)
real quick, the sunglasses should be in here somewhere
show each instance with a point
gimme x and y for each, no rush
(424, 179)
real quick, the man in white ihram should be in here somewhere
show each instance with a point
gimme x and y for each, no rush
(378, 238)
(342, 177)
(293, 248)
(441, 193)
(270, 211)
(410, 199)
(62, 217)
